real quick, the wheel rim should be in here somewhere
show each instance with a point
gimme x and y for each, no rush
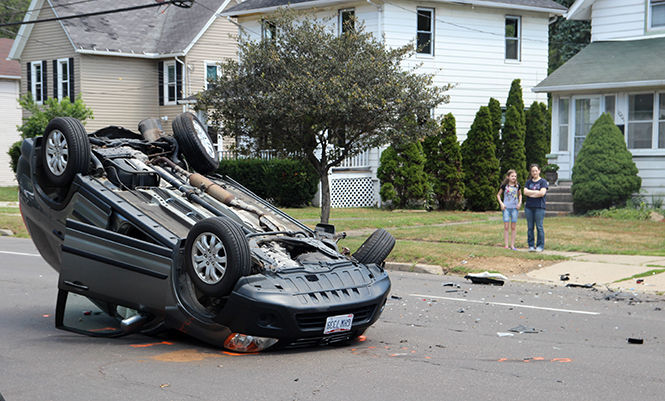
(204, 139)
(57, 152)
(209, 258)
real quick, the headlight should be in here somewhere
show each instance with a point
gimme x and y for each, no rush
(243, 343)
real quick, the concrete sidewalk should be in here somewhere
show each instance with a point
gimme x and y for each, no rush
(603, 270)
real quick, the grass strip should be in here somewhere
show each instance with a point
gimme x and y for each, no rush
(640, 275)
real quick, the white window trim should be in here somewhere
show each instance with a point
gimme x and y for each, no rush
(339, 17)
(266, 26)
(650, 28)
(654, 122)
(33, 81)
(518, 39)
(167, 101)
(558, 124)
(432, 31)
(206, 64)
(62, 79)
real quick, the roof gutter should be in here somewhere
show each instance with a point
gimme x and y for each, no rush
(10, 77)
(132, 54)
(324, 3)
(599, 86)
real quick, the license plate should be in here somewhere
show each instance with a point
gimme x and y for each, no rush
(336, 324)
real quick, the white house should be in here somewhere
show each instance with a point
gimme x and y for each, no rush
(621, 72)
(480, 46)
(10, 111)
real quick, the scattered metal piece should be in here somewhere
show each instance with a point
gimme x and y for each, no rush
(635, 341)
(395, 297)
(640, 281)
(521, 329)
(450, 284)
(565, 277)
(575, 285)
(503, 334)
(487, 278)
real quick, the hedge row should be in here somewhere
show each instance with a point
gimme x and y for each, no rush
(285, 182)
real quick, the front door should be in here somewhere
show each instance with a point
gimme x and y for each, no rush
(587, 111)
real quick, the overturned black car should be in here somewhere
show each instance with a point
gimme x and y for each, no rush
(143, 244)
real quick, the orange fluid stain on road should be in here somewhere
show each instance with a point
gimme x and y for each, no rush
(186, 355)
(536, 359)
(150, 344)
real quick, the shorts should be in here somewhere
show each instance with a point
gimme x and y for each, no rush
(510, 215)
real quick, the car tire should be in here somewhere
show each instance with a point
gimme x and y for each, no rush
(195, 143)
(216, 256)
(376, 248)
(65, 150)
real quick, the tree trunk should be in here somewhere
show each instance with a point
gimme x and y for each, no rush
(325, 197)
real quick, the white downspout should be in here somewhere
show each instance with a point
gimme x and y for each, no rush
(185, 83)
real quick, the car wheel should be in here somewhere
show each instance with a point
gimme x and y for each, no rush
(376, 248)
(65, 150)
(195, 143)
(216, 256)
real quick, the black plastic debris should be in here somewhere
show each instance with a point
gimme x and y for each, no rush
(450, 284)
(522, 329)
(565, 277)
(632, 340)
(487, 278)
(575, 285)
(395, 297)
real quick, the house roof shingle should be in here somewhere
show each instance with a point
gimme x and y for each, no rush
(249, 5)
(158, 30)
(614, 64)
(8, 68)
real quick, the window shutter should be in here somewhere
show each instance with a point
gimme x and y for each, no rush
(178, 81)
(160, 74)
(72, 91)
(29, 78)
(44, 80)
(55, 79)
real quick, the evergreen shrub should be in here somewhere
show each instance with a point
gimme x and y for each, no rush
(537, 140)
(402, 174)
(496, 115)
(604, 174)
(513, 145)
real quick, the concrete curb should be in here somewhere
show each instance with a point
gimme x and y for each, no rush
(414, 267)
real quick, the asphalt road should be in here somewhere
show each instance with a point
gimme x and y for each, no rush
(422, 348)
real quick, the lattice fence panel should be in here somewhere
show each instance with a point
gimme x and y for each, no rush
(352, 192)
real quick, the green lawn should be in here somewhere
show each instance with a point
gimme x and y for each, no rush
(9, 194)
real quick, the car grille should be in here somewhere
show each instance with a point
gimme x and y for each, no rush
(317, 321)
(317, 341)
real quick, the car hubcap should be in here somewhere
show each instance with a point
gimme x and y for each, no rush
(209, 258)
(204, 139)
(57, 153)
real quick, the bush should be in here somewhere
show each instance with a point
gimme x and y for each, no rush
(515, 99)
(513, 145)
(496, 114)
(444, 165)
(287, 182)
(537, 140)
(402, 167)
(604, 174)
(40, 115)
(480, 165)
(14, 153)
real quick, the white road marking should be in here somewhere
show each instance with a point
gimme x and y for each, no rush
(20, 253)
(506, 304)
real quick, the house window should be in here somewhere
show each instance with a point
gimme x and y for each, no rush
(657, 8)
(63, 77)
(425, 31)
(170, 83)
(563, 124)
(37, 81)
(640, 121)
(346, 20)
(513, 37)
(661, 121)
(212, 72)
(610, 105)
(268, 30)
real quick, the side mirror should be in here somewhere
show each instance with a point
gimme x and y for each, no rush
(82, 315)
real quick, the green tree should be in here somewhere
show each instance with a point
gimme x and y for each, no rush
(38, 117)
(402, 174)
(513, 145)
(480, 165)
(537, 141)
(515, 99)
(566, 38)
(12, 11)
(604, 173)
(312, 92)
(444, 165)
(496, 114)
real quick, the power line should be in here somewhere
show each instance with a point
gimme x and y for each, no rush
(178, 3)
(46, 7)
